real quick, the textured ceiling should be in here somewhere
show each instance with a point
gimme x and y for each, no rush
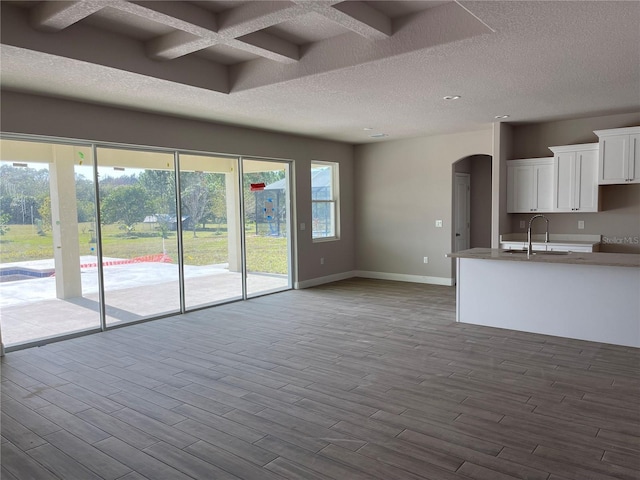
(330, 69)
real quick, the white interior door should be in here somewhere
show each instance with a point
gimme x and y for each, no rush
(462, 208)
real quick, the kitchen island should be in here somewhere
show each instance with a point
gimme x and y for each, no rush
(587, 296)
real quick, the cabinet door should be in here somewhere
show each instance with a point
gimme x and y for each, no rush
(543, 188)
(634, 158)
(519, 188)
(614, 159)
(564, 181)
(586, 189)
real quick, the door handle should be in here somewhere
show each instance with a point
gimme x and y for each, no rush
(457, 234)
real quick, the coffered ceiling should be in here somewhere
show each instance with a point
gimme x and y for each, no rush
(341, 70)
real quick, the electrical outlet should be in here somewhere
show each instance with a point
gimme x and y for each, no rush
(521, 223)
(303, 226)
(580, 224)
(321, 260)
(439, 223)
(426, 259)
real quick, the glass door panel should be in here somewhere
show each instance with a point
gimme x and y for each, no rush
(209, 193)
(48, 274)
(267, 230)
(138, 229)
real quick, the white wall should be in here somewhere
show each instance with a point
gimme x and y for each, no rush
(30, 114)
(401, 188)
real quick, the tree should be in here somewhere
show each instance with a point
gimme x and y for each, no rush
(216, 183)
(5, 206)
(160, 188)
(195, 201)
(4, 220)
(25, 181)
(86, 211)
(45, 221)
(125, 204)
(21, 192)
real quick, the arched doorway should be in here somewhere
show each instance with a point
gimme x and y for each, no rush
(471, 203)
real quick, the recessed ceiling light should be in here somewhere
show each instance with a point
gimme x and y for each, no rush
(378, 135)
(500, 117)
(451, 97)
(366, 129)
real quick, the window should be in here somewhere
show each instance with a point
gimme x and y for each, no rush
(324, 200)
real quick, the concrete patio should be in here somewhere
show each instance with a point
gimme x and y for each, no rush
(30, 310)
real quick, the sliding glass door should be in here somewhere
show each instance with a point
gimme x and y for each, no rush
(267, 228)
(209, 194)
(138, 234)
(162, 232)
(48, 271)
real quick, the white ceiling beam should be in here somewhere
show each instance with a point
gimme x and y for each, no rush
(354, 15)
(176, 44)
(253, 16)
(106, 53)
(196, 29)
(370, 22)
(419, 31)
(56, 16)
(178, 15)
(269, 46)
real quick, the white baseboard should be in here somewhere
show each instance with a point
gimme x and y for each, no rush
(396, 277)
(314, 282)
(402, 277)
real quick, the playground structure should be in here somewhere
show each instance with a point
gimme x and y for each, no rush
(269, 210)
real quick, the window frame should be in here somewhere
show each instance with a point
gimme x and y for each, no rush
(334, 200)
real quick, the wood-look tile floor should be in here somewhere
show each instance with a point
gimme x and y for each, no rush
(360, 379)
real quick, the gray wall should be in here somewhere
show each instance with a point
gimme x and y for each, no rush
(401, 188)
(30, 114)
(481, 201)
(502, 145)
(479, 169)
(619, 218)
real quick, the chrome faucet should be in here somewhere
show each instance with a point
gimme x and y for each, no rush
(546, 236)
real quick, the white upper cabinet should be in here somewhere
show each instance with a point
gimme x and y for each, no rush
(530, 185)
(619, 158)
(575, 186)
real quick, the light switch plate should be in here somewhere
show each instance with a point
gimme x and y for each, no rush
(303, 226)
(439, 223)
(580, 224)
(521, 223)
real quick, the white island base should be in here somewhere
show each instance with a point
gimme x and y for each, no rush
(587, 302)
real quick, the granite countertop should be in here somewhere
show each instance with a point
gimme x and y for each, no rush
(572, 258)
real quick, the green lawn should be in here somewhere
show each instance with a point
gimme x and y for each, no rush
(264, 253)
